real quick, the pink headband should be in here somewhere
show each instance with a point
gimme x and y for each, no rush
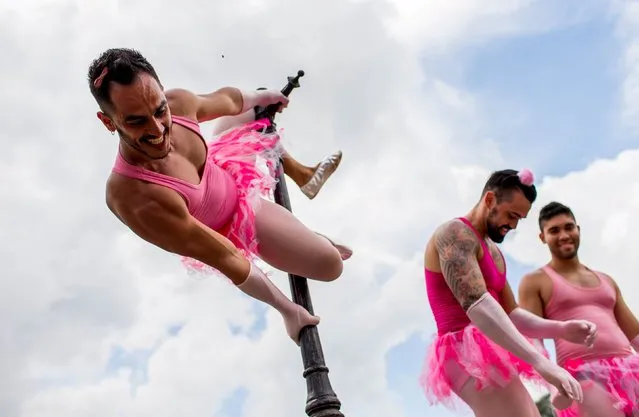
(98, 81)
(526, 177)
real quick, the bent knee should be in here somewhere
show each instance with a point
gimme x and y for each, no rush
(328, 266)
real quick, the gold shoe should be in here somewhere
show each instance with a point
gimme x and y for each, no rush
(322, 173)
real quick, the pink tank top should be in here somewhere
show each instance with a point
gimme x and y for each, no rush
(212, 201)
(572, 302)
(448, 313)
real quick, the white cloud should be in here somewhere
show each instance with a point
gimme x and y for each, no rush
(76, 283)
(627, 12)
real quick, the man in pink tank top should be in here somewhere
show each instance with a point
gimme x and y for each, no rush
(202, 200)
(564, 289)
(482, 347)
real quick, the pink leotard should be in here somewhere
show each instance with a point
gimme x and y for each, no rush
(572, 302)
(213, 201)
(448, 313)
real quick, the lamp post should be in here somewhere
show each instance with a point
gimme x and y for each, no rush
(321, 400)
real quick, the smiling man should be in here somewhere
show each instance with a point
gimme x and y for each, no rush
(202, 200)
(566, 289)
(481, 349)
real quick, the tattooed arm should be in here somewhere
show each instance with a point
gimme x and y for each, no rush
(458, 249)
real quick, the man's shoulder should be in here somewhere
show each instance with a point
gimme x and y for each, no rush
(182, 102)
(453, 235)
(607, 277)
(533, 280)
(127, 196)
(452, 230)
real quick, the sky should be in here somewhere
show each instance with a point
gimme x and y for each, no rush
(425, 99)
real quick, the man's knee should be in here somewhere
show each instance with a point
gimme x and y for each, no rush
(329, 265)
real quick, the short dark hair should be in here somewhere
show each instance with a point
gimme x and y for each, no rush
(122, 65)
(553, 209)
(503, 183)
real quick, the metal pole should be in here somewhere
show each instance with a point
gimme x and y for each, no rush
(321, 400)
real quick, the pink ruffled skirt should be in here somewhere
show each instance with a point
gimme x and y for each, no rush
(236, 151)
(453, 358)
(619, 376)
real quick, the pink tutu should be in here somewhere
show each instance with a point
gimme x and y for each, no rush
(455, 357)
(617, 375)
(236, 151)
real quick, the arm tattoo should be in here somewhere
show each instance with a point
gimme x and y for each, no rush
(457, 248)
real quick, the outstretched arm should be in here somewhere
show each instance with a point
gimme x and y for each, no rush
(458, 247)
(528, 316)
(625, 318)
(227, 101)
(161, 217)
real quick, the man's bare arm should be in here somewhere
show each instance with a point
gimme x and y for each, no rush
(625, 318)
(227, 101)
(457, 248)
(161, 218)
(530, 294)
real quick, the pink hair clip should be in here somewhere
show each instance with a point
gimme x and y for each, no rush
(526, 177)
(98, 81)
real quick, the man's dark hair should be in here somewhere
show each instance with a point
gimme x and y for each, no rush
(553, 209)
(122, 66)
(503, 183)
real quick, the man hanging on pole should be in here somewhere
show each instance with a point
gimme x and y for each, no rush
(203, 200)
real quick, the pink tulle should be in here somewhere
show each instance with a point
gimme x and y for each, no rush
(236, 151)
(474, 355)
(619, 376)
(526, 177)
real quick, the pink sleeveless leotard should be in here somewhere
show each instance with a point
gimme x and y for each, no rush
(572, 302)
(461, 352)
(448, 313)
(213, 201)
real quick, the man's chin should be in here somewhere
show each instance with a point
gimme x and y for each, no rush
(497, 238)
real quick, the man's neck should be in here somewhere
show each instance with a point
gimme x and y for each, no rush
(565, 265)
(135, 156)
(478, 221)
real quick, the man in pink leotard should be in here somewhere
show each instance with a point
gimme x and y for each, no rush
(565, 288)
(202, 200)
(482, 346)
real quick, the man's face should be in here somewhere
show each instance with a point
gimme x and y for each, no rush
(562, 235)
(141, 116)
(505, 215)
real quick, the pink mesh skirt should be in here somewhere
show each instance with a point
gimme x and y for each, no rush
(236, 151)
(453, 358)
(619, 376)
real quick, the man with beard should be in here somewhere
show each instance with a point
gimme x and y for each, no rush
(203, 200)
(565, 289)
(481, 348)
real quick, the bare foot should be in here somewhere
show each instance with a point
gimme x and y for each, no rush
(296, 320)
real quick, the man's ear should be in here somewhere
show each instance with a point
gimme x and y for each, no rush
(106, 121)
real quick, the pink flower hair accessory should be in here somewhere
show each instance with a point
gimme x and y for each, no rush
(526, 177)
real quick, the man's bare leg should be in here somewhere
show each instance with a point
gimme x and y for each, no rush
(597, 402)
(512, 400)
(288, 245)
(310, 180)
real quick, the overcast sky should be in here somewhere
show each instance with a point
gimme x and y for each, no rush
(425, 98)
